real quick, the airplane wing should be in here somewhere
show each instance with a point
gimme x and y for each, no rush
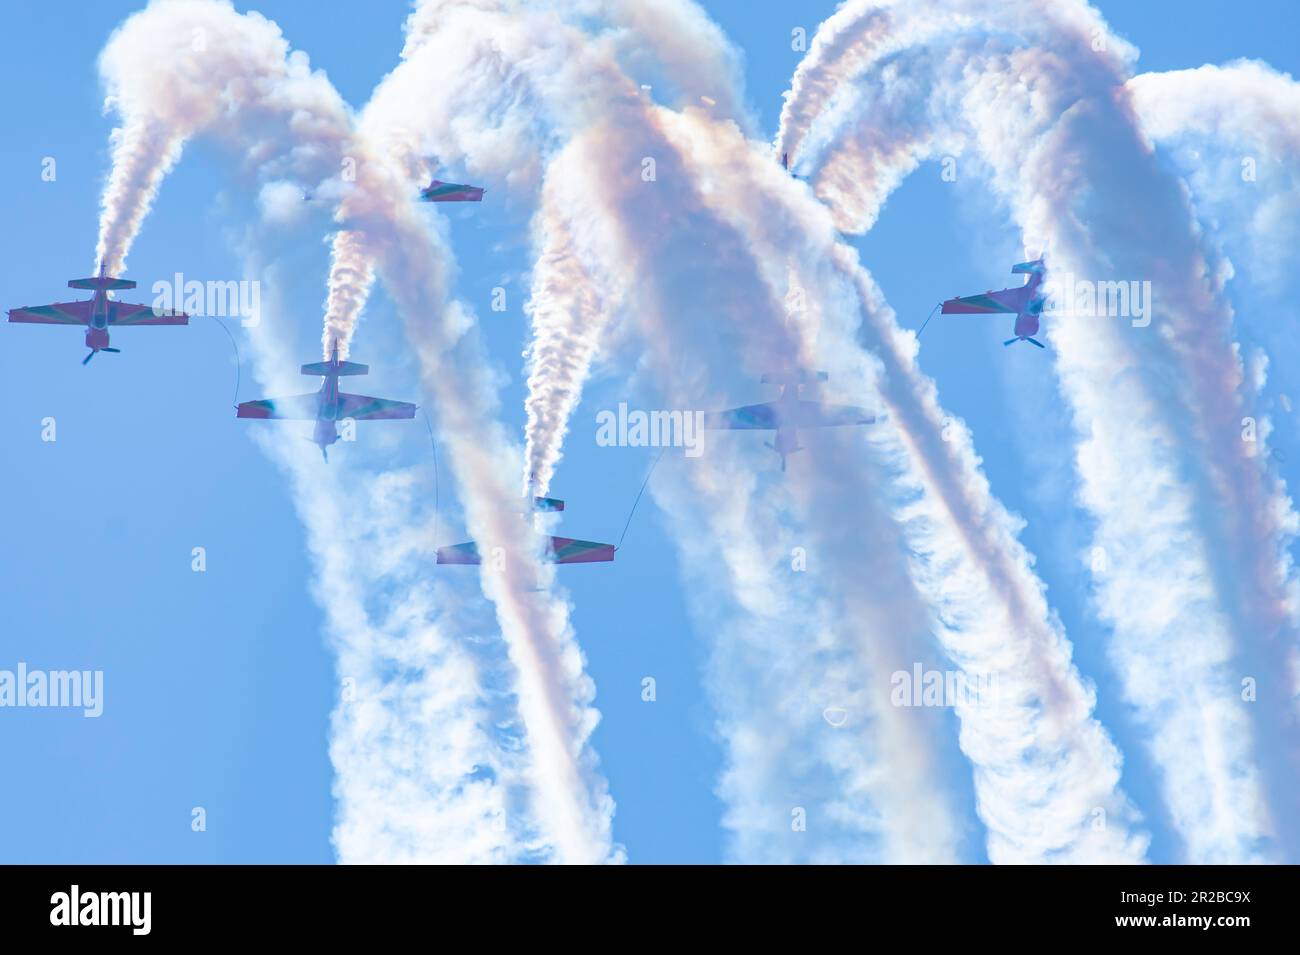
(60, 313)
(566, 550)
(562, 550)
(815, 414)
(298, 407)
(439, 191)
(466, 553)
(749, 417)
(1008, 300)
(124, 313)
(365, 408)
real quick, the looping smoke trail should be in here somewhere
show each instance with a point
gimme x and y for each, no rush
(1199, 735)
(967, 559)
(1101, 774)
(876, 770)
(555, 695)
(564, 89)
(418, 778)
(842, 42)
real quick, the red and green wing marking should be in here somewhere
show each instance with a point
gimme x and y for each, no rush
(124, 313)
(1009, 300)
(365, 408)
(60, 313)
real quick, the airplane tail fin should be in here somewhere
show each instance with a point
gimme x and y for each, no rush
(342, 368)
(1035, 267)
(101, 282)
(547, 504)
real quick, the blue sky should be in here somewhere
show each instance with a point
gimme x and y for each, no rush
(219, 685)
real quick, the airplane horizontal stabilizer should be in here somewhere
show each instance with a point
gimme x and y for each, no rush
(101, 282)
(1029, 267)
(796, 377)
(548, 504)
(342, 369)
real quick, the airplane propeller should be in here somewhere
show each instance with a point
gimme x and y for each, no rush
(324, 449)
(85, 360)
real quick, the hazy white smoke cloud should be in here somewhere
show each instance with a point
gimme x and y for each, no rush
(1236, 131)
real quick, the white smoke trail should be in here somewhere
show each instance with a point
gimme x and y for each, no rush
(568, 316)
(1176, 487)
(840, 47)
(352, 275)
(677, 41)
(885, 759)
(1236, 134)
(1098, 764)
(1038, 799)
(419, 777)
(571, 91)
(554, 693)
(673, 41)
(244, 78)
(1177, 661)
(867, 785)
(1235, 131)
(1089, 753)
(383, 230)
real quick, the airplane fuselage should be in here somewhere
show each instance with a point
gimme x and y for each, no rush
(786, 440)
(1026, 324)
(1029, 320)
(326, 431)
(785, 443)
(97, 327)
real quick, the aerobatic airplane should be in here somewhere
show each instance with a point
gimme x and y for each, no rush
(787, 414)
(328, 406)
(98, 312)
(439, 191)
(559, 550)
(1026, 302)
